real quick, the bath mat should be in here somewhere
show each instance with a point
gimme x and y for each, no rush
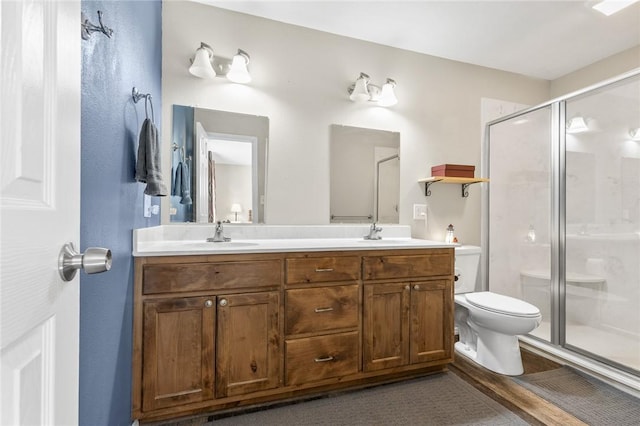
(589, 399)
(443, 399)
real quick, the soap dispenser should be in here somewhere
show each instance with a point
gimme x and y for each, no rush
(449, 236)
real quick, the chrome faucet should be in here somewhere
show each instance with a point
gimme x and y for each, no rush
(374, 233)
(218, 237)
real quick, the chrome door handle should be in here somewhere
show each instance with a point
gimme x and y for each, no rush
(94, 260)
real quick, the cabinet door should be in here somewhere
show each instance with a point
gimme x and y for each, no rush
(248, 343)
(386, 325)
(431, 321)
(178, 350)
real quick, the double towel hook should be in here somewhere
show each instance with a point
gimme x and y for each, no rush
(147, 100)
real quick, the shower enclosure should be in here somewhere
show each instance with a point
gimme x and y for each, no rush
(562, 221)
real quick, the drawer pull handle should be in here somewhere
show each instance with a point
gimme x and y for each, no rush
(320, 310)
(324, 269)
(324, 359)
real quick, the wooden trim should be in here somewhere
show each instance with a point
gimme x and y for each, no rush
(517, 398)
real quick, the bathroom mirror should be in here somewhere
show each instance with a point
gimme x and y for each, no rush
(218, 166)
(364, 175)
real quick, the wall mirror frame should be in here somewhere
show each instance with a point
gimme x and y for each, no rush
(224, 155)
(364, 175)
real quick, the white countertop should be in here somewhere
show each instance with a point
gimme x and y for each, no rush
(172, 241)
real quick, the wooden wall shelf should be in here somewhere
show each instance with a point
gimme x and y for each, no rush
(464, 182)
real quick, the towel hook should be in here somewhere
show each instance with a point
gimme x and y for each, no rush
(176, 147)
(136, 95)
(88, 27)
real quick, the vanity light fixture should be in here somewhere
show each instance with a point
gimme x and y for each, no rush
(206, 65)
(577, 124)
(635, 134)
(363, 91)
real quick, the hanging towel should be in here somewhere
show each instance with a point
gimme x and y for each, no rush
(148, 163)
(177, 180)
(185, 184)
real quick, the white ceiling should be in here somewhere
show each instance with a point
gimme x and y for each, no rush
(543, 39)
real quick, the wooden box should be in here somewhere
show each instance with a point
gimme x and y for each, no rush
(453, 170)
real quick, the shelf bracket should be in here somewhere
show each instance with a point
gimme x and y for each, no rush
(465, 190)
(427, 191)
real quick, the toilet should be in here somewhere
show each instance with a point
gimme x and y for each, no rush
(488, 323)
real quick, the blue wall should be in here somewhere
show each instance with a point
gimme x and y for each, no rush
(111, 201)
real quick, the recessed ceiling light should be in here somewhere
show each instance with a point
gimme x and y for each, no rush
(609, 7)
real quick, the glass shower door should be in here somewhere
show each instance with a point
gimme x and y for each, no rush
(602, 255)
(520, 165)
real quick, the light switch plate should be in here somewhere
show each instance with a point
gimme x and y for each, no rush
(419, 211)
(146, 205)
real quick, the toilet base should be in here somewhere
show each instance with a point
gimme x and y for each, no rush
(507, 360)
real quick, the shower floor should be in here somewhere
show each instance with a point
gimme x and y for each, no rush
(618, 348)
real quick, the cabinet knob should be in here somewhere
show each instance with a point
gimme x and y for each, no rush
(407, 287)
(416, 287)
(208, 303)
(223, 302)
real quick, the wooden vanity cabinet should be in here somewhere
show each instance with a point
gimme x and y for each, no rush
(204, 331)
(322, 317)
(408, 310)
(248, 346)
(214, 332)
(178, 351)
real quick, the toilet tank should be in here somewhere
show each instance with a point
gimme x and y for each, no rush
(467, 267)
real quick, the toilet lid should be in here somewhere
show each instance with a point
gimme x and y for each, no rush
(502, 304)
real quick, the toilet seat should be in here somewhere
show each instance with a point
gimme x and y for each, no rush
(502, 304)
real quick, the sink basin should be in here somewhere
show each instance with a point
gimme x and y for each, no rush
(386, 241)
(206, 245)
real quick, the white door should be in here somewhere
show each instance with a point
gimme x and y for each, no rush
(40, 210)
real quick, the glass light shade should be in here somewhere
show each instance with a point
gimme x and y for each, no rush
(387, 94)
(201, 66)
(360, 92)
(238, 73)
(577, 125)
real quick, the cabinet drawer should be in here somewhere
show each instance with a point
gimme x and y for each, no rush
(211, 276)
(316, 358)
(320, 309)
(323, 269)
(407, 266)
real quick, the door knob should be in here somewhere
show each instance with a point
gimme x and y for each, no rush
(94, 260)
